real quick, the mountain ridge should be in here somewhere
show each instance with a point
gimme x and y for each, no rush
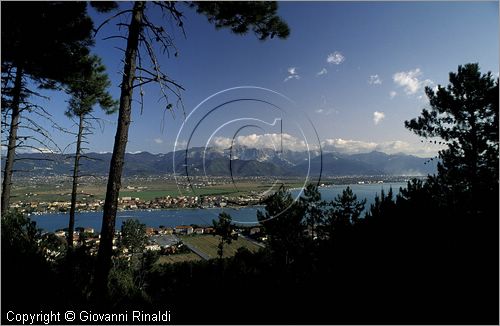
(245, 162)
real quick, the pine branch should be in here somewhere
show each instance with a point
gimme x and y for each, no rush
(113, 37)
(111, 18)
(33, 159)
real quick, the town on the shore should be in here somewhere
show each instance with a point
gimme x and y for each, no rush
(136, 203)
(162, 240)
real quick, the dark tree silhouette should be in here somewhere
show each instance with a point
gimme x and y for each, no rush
(134, 236)
(314, 212)
(465, 116)
(283, 222)
(43, 42)
(458, 209)
(224, 229)
(117, 159)
(240, 17)
(346, 209)
(382, 204)
(86, 90)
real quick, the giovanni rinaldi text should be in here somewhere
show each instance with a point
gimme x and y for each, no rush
(84, 316)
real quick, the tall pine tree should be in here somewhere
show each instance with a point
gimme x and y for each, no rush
(43, 42)
(465, 115)
(87, 89)
(240, 17)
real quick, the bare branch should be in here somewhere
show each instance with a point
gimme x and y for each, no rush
(90, 158)
(42, 151)
(141, 90)
(29, 91)
(118, 48)
(33, 159)
(147, 81)
(111, 18)
(113, 37)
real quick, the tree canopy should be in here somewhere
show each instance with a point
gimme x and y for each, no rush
(47, 39)
(90, 88)
(141, 32)
(133, 235)
(45, 42)
(242, 16)
(224, 229)
(346, 208)
(87, 89)
(465, 115)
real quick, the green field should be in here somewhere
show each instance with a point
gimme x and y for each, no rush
(90, 190)
(208, 244)
(177, 258)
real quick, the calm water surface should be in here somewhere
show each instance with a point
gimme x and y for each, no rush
(203, 217)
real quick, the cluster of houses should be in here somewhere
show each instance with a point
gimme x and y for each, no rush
(56, 206)
(165, 241)
(174, 202)
(130, 203)
(162, 239)
(180, 229)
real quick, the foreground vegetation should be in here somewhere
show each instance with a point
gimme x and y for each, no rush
(429, 255)
(208, 245)
(178, 258)
(405, 261)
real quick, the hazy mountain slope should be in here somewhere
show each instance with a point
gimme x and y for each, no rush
(246, 162)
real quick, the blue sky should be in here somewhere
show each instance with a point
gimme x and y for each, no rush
(356, 69)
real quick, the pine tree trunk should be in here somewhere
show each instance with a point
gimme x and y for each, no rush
(71, 226)
(117, 159)
(473, 164)
(11, 147)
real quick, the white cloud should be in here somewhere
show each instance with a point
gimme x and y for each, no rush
(378, 116)
(21, 149)
(374, 80)
(392, 94)
(344, 146)
(291, 77)
(222, 142)
(398, 146)
(410, 81)
(349, 146)
(158, 140)
(335, 58)
(292, 74)
(180, 145)
(263, 141)
(326, 111)
(322, 72)
(43, 150)
(429, 83)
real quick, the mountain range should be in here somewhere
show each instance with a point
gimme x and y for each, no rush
(243, 161)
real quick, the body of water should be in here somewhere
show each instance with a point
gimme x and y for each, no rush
(202, 217)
